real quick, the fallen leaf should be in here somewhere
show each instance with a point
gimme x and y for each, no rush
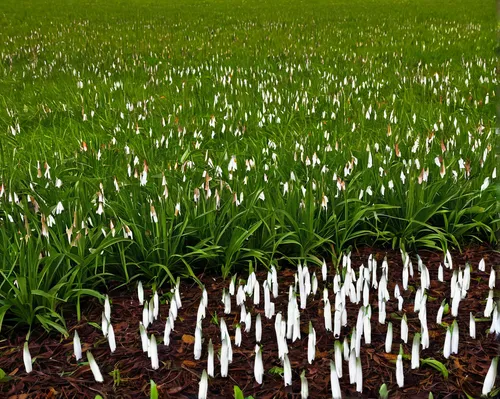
(189, 364)
(188, 339)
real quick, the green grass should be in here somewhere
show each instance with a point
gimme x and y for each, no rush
(137, 80)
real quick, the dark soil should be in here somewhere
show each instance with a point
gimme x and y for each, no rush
(56, 374)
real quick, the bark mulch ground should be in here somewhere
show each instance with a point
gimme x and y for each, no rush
(127, 372)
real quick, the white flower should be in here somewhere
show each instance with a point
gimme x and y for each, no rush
(327, 313)
(197, 342)
(224, 361)
(439, 316)
(287, 371)
(491, 282)
(404, 329)
(237, 336)
(415, 352)
(104, 324)
(94, 367)
(388, 338)
(258, 328)
(111, 338)
(144, 337)
(334, 382)
(153, 352)
(168, 330)
(491, 376)
(311, 346)
(77, 346)
(210, 359)
(304, 386)
(359, 375)
(472, 326)
(59, 208)
(454, 337)
(485, 184)
(400, 378)
(258, 369)
(27, 358)
(203, 389)
(140, 293)
(447, 344)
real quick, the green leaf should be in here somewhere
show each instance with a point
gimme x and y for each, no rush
(154, 391)
(238, 393)
(437, 365)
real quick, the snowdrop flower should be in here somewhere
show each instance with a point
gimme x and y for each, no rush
(323, 270)
(404, 329)
(156, 305)
(168, 330)
(359, 375)
(258, 328)
(415, 352)
(153, 353)
(485, 184)
(258, 369)
(489, 304)
(440, 312)
(367, 329)
(491, 282)
(248, 322)
(334, 381)
(104, 324)
(447, 344)
(77, 346)
(388, 338)
(304, 386)
(472, 326)
(197, 342)
(226, 299)
(338, 358)
(327, 313)
(491, 376)
(210, 359)
(237, 336)
(203, 386)
(144, 338)
(440, 273)
(111, 338)
(287, 371)
(140, 293)
(224, 358)
(107, 309)
(400, 378)
(27, 358)
(94, 367)
(352, 364)
(311, 346)
(482, 265)
(256, 293)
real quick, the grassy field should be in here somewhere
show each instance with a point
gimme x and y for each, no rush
(149, 139)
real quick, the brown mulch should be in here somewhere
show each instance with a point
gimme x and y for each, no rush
(56, 374)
